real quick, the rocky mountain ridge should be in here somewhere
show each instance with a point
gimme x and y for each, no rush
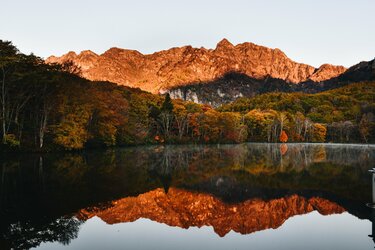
(234, 85)
(182, 66)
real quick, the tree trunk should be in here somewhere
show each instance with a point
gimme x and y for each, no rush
(3, 108)
(43, 125)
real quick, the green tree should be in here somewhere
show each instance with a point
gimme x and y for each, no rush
(167, 104)
(364, 127)
(166, 116)
(8, 57)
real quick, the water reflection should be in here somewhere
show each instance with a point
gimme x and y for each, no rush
(372, 205)
(248, 187)
(186, 209)
(24, 235)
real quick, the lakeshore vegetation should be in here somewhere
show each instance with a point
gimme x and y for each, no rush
(47, 107)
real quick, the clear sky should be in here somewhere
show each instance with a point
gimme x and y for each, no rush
(308, 31)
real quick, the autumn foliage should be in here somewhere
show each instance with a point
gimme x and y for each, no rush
(283, 136)
(49, 107)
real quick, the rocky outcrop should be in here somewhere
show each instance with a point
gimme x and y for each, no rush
(217, 92)
(182, 66)
(325, 72)
(186, 209)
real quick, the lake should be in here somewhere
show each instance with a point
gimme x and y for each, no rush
(255, 195)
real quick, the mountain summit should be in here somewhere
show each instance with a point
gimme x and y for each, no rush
(181, 66)
(224, 44)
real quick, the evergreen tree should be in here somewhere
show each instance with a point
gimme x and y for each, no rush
(167, 104)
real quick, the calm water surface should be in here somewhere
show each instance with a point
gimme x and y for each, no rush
(249, 196)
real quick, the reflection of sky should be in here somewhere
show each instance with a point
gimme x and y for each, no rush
(311, 231)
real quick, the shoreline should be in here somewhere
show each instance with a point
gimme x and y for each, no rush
(101, 149)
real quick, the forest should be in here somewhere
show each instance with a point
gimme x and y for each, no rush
(47, 107)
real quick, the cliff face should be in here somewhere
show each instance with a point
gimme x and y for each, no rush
(182, 66)
(228, 88)
(189, 209)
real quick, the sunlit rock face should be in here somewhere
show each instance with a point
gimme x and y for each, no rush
(326, 71)
(190, 209)
(185, 65)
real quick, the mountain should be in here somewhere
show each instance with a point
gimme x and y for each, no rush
(361, 72)
(184, 209)
(184, 66)
(233, 85)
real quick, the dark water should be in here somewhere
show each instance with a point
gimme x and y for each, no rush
(258, 196)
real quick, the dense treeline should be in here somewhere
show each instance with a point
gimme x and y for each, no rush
(49, 107)
(45, 107)
(345, 114)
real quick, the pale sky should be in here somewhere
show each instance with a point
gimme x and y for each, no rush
(313, 32)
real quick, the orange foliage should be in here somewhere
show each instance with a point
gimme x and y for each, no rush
(283, 149)
(159, 139)
(206, 107)
(283, 136)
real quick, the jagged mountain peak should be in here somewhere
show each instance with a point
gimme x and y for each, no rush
(224, 43)
(326, 71)
(88, 53)
(70, 54)
(115, 52)
(186, 65)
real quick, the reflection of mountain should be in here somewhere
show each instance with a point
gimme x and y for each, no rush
(186, 209)
(235, 174)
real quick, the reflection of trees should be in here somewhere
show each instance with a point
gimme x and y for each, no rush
(53, 185)
(26, 235)
(2, 165)
(134, 170)
(162, 168)
(302, 156)
(165, 161)
(301, 166)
